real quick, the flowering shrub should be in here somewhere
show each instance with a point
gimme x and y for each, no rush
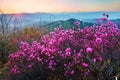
(10, 42)
(67, 54)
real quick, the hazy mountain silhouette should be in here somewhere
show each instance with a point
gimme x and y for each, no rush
(67, 24)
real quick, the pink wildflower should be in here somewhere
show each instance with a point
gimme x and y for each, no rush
(30, 66)
(98, 40)
(104, 19)
(72, 72)
(77, 23)
(89, 50)
(84, 64)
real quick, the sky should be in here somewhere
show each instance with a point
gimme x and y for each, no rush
(31, 6)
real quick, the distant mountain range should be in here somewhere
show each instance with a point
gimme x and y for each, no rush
(64, 18)
(67, 24)
(30, 18)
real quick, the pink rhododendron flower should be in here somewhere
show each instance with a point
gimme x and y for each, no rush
(84, 64)
(79, 54)
(104, 19)
(98, 40)
(94, 60)
(89, 50)
(68, 50)
(68, 54)
(97, 59)
(72, 72)
(65, 64)
(30, 66)
(77, 23)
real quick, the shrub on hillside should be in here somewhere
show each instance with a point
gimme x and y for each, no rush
(10, 42)
(69, 55)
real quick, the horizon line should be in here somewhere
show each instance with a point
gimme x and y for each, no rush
(56, 12)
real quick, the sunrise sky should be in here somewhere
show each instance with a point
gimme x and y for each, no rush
(31, 6)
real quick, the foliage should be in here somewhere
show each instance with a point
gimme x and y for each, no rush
(30, 34)
(10, 42)
(83, 54)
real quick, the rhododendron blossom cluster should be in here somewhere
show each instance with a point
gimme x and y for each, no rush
(67, 54)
